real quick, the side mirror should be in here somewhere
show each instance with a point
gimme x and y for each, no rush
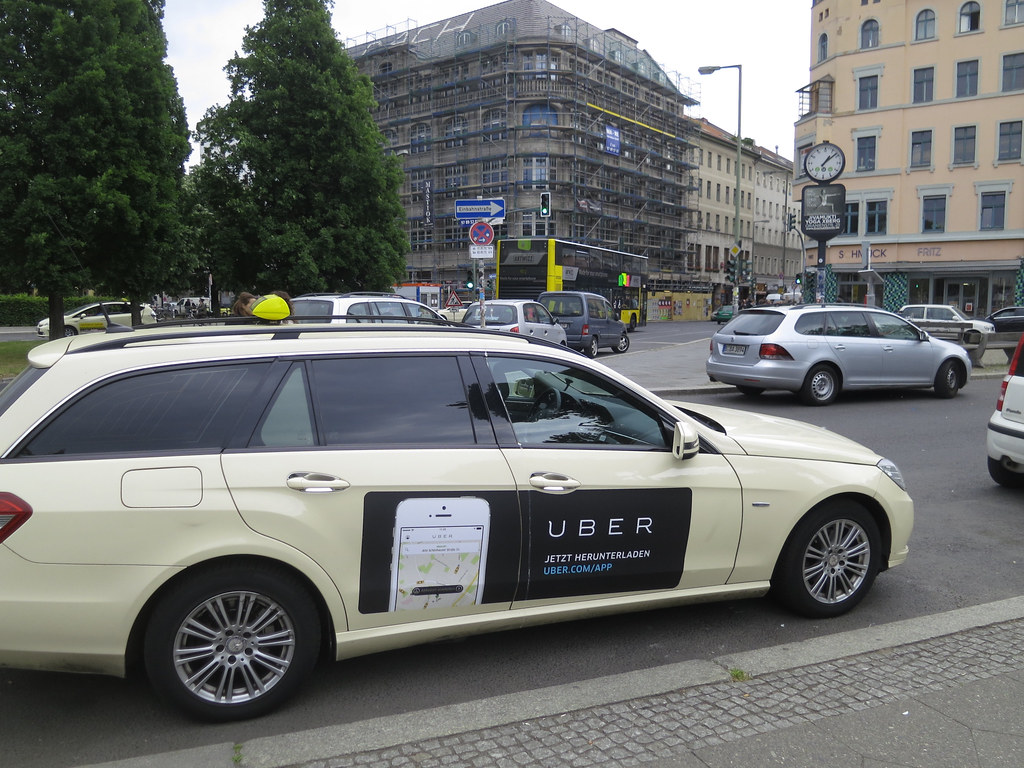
(685, 441)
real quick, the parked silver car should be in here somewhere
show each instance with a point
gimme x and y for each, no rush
(818, 350)
(517, 316)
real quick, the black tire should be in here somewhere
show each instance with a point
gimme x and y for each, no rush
(69, 330)
(632, 323)
(750, 391)
(622, 345)
(1004, 476)
(821, 387)
(830, 560)
(254, 630)
(947, 379)
(590, 348)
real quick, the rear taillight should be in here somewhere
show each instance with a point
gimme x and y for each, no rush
(586, 329)
(1002, 393)
(13, 512)
(774, 352)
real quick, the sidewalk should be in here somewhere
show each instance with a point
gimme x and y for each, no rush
(930, 692)
(936, 691)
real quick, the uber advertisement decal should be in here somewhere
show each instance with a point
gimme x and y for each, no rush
(436, 551)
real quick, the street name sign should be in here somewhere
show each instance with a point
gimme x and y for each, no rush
(492, 211)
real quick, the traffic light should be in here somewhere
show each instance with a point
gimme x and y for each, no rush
(545, 204)
(790, 222)
(730, 270)
(799, 279)
(469, 279)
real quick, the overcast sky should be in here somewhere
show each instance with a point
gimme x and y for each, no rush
(769, 39)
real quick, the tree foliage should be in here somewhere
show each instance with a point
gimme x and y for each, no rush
(296, 188)
(93, 141)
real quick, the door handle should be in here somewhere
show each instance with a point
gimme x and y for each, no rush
(315, 482)
(554, 482)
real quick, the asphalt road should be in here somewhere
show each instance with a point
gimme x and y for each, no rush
(964, 551)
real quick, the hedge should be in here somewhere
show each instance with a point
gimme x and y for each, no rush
(21, 309)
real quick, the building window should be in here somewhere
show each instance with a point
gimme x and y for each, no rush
(1013, 72)
(970, 18)
(920, 149)
(1010, 140)
(455, 176)
(851, 219)
(964, 139)
(924, 28)
(538, 115)
(1014, 12)
(966, 78)
(869, 34)
(494, 125)
(455, 131)
(823, 47)
(933, 214)
(494, 172)
(866, 153)
(464, 39)
(993, 210)
(535, 171)
(419, 138)
(876, 217)
(504, 27)
(867, 88)
(924, 84)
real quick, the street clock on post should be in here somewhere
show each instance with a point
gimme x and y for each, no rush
(824, 162)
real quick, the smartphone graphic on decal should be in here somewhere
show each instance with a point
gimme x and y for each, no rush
(439, 554)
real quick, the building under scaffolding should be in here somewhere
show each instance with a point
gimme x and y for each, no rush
(521, 98)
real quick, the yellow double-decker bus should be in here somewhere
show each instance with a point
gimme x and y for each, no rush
(529, 266)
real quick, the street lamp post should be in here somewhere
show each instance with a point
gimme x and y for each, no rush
(739, 153)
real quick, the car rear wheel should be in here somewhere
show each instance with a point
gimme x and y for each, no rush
(622, 345)
(590, 348)
(1003, 475)
(821, 387)
(69, 330)
(750, 391)
(232, 643)
(830, 560)
(947, 380)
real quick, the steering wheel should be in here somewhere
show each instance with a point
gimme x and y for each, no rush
(547, 405)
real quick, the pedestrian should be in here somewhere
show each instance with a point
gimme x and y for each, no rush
(243, 305)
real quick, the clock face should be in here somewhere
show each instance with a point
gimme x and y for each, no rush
(824, 162)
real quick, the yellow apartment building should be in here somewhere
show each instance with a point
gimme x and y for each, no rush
(926, 100)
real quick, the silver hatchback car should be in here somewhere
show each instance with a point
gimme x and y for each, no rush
(818, 350)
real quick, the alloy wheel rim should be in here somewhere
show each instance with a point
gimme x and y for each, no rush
(234, 647)
(836, 561)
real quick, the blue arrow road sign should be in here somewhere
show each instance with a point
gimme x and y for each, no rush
(468, 211)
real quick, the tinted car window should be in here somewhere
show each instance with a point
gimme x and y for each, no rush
(844, 323)
(552, 404)
(811, 324)
(289, 419)
(754, 323)
(400, 400)
(312, 308)
(914, 313)
(167, 410)
(598, 310)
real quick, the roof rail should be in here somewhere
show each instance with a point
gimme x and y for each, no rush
(216, 329)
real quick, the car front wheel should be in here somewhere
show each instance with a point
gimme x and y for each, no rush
(830, 560)
(232, 643)
(821, 387)
(947, 380)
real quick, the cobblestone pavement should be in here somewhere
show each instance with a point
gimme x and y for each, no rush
(698, 726)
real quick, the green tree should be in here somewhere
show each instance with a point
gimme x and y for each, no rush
(299, 192)
(93, 141)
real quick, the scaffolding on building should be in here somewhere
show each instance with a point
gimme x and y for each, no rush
(491, 104)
